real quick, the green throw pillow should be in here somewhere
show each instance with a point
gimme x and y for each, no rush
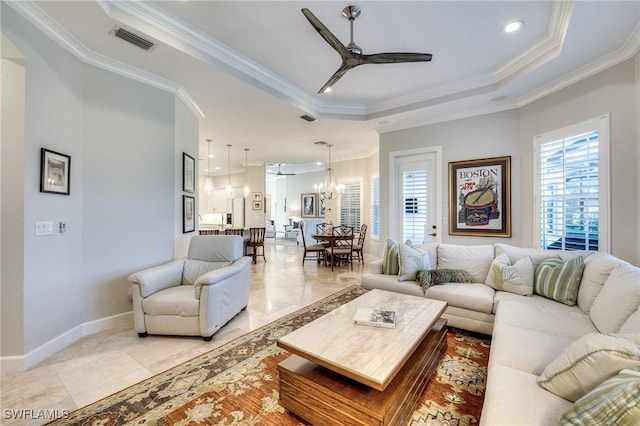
(558, 280)
(390, 262)
(433, 277)
(616, 401)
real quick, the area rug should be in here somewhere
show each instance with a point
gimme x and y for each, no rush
(237, 383)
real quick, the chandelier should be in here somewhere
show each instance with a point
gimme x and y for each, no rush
(228, 188)
(245, 190)
(208, 183)
(330, 190)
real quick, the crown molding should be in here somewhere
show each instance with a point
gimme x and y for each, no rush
(36, 16)
(628, 50)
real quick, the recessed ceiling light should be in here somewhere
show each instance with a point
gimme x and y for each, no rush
(211, 156)
(327, 90)
(512, 26)
(217, 168)
(318, 163)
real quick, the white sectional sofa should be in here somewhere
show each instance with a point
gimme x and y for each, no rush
(532, 336)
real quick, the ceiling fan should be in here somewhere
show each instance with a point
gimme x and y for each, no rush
(351, 54)
(280, 172)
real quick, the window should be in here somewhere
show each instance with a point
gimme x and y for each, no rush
(572, 197)
(375, 206)
(350, 205)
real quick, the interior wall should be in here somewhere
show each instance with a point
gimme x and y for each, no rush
(611, 92)
(298, 185)
(256, 180)
(187, 128)
(492, 135)
(121, 214)
(637, 66)
(51, 282)
(373, 244)
(12, 212)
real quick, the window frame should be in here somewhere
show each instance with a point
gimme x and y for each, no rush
(375, 207)
(346, 182)
(601, 125)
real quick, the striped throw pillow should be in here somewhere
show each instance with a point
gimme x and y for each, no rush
(390, 262)
(615, 401)
(558, 280)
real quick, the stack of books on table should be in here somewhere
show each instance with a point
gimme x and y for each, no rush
(375, 317)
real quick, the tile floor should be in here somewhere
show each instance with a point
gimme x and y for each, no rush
(106, 362)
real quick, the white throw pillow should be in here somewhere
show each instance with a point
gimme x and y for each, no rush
(618, 299)
(517, 253)
(411, 260)
(589, 361)
(632, 324)
(597, 268)
(516, 278)
(473, 259)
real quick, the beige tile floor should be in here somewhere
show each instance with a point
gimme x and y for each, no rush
(106, 362)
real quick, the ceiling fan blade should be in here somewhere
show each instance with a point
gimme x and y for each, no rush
(394, 58)
(336, 76)
(326, 34)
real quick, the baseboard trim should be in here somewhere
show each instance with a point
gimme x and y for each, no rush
(17, 363)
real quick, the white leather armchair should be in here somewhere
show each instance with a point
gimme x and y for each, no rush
(195, 296)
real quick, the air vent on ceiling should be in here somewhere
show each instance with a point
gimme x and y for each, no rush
(132, 38)
(308, 118)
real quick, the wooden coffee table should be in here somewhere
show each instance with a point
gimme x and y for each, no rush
(347, 374)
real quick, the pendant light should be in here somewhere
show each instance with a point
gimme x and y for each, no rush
(245, 190)
(330, 190)
(208, 183)
(228, 188)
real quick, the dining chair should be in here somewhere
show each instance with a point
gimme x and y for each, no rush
(358, 247)
(318, 249)
(234, 231)
(323, 228)
(341, 248)
(256, 240)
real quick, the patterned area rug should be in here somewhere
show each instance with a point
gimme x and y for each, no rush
(237, 383)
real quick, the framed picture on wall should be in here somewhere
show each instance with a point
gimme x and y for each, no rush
(188, 173)
(480, 197)
(321, 206)
(188, 214)
(55, 172)
(309, 204)
(257, 205)
(256, 196)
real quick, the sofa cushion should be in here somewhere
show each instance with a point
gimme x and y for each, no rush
(516, 278)
(513, 398)
(559, 280)
(390, 261)
(473, 296)
(616, 401)
(473, 259)
(411, 260)
(587, 362)
(179, 300)
(525, 350)
(391, 283)
(196, 268)
(551, 318)
(632, 324)
(517, 253)
(618, 299)
(597, 268)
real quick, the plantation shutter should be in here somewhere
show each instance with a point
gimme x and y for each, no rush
(569, 193)
(414, 195)
(375, 206)
(350, 205)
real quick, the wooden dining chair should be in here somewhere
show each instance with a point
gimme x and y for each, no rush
(323, 228)
(256, 240)
(234, 231)
(359, 245)
(341, 248)
(318, 249)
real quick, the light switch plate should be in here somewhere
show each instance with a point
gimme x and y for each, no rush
(44, 228)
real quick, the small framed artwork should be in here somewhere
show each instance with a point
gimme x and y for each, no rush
(257, 205)
(321, 206)
(55, 172)
(257, 196)
(188, 173)
(309, 203)
(480, 197)
(188, 214)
